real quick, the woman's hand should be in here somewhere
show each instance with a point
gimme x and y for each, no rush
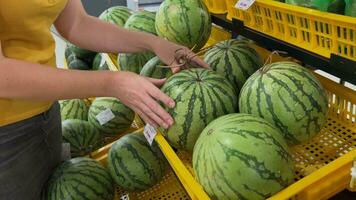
(141, 95)
(170, 53)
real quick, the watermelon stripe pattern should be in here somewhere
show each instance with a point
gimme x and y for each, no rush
(80, 178)
(236, 60)
(153, 69)
(134, 164)
(201, 96)
(123, 119)
(142, 21)
(116, 15)
(240, 156)
(82, 137)
(133, 62)
(73, 109)
(185, 22)
(290, 97)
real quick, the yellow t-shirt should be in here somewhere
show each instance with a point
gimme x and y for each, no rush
(25, 35)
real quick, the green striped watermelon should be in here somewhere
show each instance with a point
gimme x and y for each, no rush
(201, 96)
(133, 62)
(73, 109)
(186, 22)
(81, 53)
(99, 63)
(240, 156)
(80, 178)
(142, 21)
(78, 64)
(290, 97)
(236, 60)
(81, 135)
(123, 119)
(116, 15)
(134, 164)
(153, 69)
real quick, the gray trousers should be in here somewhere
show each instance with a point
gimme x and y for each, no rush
(29, 151)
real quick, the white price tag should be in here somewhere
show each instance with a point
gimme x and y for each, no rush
(149, 133)
(105, 116)
(244, 4)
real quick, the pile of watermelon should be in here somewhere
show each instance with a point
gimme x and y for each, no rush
(85, 127)
(238, 118)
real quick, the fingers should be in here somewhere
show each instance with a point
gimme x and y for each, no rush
(162, 97)
(146, 118)
(158, 114)
(200, 62)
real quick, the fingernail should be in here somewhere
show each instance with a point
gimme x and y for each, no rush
(170, 122)
(172, 104)
(165, 125)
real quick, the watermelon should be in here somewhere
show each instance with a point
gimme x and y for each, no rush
(186, 22)
(116, 15)
(73, 109)
(68, 53)
(122, 120)
(234, 59)
(153, 69)
(201, 96)
(81, 135)
(241, 156)
(80, 178)
(133, 62)
(81, 53)
(99, 63)
(134, 164)
(77, 64)
(143, 21)
(290, 97)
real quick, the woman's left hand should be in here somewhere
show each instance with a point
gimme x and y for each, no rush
(170, 53)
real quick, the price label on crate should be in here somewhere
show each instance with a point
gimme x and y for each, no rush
(244, 4)
(105, 116)
(150, 133)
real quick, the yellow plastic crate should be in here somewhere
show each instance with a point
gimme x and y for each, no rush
(216, 6)
(319, 32)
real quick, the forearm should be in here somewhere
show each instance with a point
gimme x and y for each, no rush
(96, 35)
(24, 80)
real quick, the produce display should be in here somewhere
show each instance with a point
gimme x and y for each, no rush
(154, 69)
(240, 156)
(134, 164)
(234, 59)
(74, 109)
(80, 178)
(289, 96)
(81, 135)
(185, 22)
(238, 119)
(201, 96)
(122, 116)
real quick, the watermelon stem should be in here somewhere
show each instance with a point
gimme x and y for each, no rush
(267, 65)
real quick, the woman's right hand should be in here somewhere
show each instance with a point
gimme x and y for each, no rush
(141, 95)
